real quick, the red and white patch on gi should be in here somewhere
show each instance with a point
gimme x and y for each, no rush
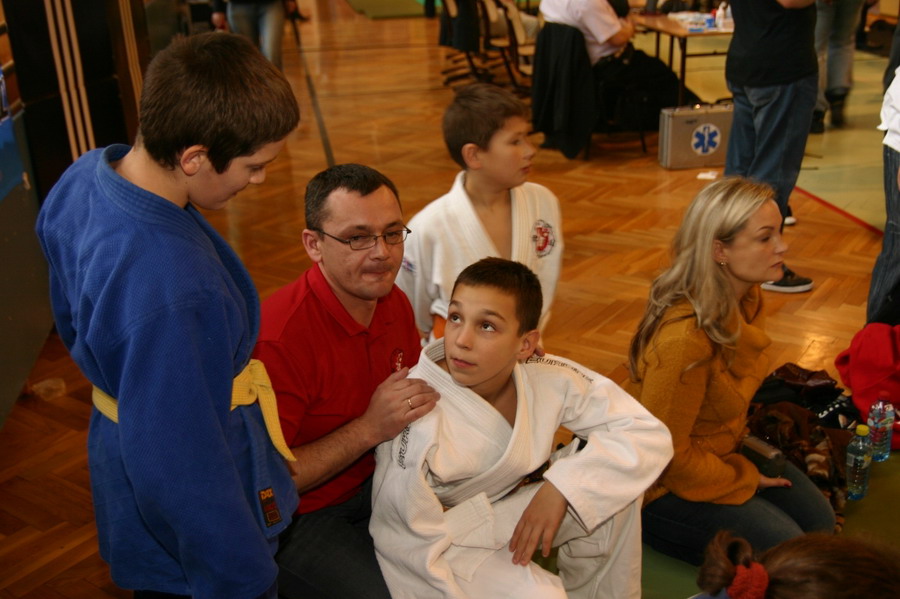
(543, 237)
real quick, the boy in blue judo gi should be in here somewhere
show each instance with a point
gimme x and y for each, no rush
(189, 489)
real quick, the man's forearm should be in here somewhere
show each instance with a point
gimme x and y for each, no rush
(319, 461)
(624, 35)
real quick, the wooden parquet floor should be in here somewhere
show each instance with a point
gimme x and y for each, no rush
(379, 87)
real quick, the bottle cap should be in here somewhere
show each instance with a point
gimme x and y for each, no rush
(862, 430)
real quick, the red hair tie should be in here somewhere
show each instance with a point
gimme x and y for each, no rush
(749, 582)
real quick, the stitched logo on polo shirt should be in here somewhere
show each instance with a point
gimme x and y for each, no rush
(396, 360)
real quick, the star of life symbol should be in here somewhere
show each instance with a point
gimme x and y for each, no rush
(705, 139)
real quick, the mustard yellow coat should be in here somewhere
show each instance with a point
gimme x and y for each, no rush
(705, 407)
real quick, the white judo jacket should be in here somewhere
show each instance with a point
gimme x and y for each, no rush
(440, 504)
(448, 236)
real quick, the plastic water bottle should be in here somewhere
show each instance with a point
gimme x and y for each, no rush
(859, 459)
(881, 427)
(720, 15)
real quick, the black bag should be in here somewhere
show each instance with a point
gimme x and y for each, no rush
(814, 390)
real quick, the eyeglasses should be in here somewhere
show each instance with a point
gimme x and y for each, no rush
(364, 242)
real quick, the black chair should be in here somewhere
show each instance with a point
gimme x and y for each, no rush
(460, 31)
(500, 43)
(563, 100)
(568, 103)
(624, 107)
(522, 48)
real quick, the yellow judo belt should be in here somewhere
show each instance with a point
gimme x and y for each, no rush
(250, 386)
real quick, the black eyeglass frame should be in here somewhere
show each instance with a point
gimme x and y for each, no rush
(371, 240)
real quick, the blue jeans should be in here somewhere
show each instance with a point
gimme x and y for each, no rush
(836, 23)
(768, 134)
(682, 529)
(330, 554)
(886, 273)
(262, 23)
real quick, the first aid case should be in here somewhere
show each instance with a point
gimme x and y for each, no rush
(694, 136)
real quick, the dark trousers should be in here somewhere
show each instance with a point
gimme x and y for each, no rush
(884, 299)
(681, 529)
(768, 133)
(329, 554)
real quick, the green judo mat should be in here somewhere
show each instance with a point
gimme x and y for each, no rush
(388, 9)
(874, 516)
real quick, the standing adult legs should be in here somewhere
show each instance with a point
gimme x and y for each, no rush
(886, 273)
(767, 141)
(243, 19)
(262, 23)
(742, 140)
(835, 45)
(271, 31)
(780, 117)
(893, 59)
(841, 46)
(825, 17)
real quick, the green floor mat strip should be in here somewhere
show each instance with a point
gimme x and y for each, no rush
(872, 517)
(664, 577)
(875, 514)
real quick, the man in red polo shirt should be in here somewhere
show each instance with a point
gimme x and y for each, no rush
(338, 344)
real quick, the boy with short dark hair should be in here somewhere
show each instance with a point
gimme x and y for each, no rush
(490, 211)
(455, 513)
(190, 492)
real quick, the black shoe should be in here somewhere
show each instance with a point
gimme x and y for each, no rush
(836, 103)
(818, 122)
(791, 282)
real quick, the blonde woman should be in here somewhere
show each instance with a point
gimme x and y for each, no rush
(696, 361)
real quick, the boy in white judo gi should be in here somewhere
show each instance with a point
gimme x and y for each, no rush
(453, 512)
(490, 211)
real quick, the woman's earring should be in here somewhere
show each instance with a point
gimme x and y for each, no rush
(722, 263)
